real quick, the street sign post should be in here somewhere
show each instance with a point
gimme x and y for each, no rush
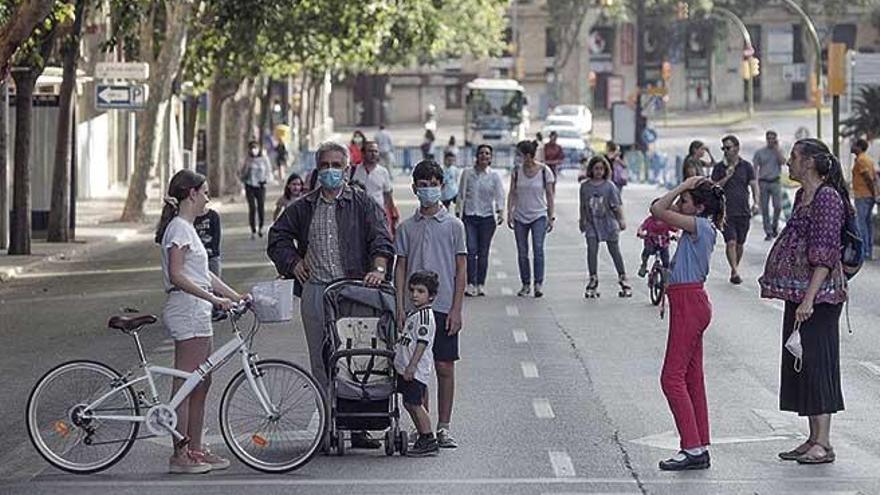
(120, 97)
(138, 71)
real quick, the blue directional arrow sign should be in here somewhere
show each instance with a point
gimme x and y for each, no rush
(120, 97)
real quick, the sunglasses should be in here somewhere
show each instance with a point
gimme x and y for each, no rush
(725, 148)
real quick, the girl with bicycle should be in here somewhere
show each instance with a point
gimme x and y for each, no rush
(656, 235)
(192, 293)
(699, 213)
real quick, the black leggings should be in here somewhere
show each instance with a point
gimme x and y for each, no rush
(593, 256)
(256, 198)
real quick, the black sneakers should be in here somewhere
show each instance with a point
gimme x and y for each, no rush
(424, 446)
(688, 463)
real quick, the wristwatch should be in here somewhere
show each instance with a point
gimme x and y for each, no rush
(380, 269)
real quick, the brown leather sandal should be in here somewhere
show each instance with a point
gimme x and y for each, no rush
(793, 454)
(828, 457)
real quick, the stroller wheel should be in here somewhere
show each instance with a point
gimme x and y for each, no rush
(389, 442)
(340, 443)
(403, 442)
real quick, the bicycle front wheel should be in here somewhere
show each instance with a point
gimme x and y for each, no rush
(288, 438)
(657, 286)
(60, 425)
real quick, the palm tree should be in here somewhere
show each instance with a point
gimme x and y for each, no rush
(865, 115)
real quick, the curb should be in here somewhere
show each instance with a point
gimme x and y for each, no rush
(8, 274)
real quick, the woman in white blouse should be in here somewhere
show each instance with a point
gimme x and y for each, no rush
(481, 203)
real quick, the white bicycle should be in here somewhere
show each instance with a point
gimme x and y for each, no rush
(83, 416)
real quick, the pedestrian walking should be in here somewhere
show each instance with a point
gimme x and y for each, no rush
(377, 182)
(293, 190)
(427, 146)
(656, 236)
(451, 147)
(539, 155)
(192, 292)
(699, 213)
(768, 163)
(254, 173)
(554, 155)
(864, 186)
(207, 226)
(356, 148)
(414, 359)
(432, 239)
(619, 170)
(333, 232)
(481, 205)
(694, 162)
(804, 270)
(601, 220)
(386, 148)
(451, 178)
(736, 176)
(281, 159)
(530, 212)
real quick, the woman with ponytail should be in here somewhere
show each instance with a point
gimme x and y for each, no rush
(192, 292)
(696, 207)
(804, 270)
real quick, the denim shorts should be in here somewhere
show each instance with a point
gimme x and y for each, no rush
(413, 391)
(445, 346)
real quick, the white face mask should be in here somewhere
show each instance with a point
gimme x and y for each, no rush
(793, 345)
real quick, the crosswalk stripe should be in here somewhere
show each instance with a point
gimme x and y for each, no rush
(520, 336)
(562, 465)
(512, 311)
(543, 409)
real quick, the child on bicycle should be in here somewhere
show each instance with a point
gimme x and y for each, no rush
(656, 235)
(192, 293)
(699, 213)
(414, 359)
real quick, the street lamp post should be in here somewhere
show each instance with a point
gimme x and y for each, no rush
(811, 29)
(749, 50)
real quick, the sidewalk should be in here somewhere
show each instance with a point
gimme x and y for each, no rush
(98, 227)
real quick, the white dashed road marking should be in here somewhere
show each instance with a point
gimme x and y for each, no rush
(872, 367)
(562, 466)
(506, 291)
(543, 409)
(501, 275)
(512, 311)
(529, 369)
(520, 337)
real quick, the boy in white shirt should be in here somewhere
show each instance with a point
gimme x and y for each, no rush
(414, 360)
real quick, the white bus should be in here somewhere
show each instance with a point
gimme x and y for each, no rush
(496, 112)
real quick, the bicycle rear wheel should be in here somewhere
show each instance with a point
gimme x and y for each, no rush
(58, 422)
(274, 444)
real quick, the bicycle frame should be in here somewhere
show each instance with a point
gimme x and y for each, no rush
(218, 358)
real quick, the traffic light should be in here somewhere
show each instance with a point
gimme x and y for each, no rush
(754, 67)
(666, 71)
(682, 11)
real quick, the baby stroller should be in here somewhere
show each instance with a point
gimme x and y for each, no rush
(361, 332)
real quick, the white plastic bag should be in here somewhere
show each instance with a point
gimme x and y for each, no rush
(793, 345)
(273, 300)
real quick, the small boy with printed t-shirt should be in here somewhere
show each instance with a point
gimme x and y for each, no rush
(414, 360)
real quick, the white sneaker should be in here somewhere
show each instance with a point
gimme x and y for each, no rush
(470, 290)
(187, 464)
(480, 291)
(526, 289)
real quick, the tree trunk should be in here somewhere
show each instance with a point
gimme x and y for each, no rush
(302, 112)
(253, 89)
(4, 186)
(265, 111)
(19, 27)
(189, 125)
(164, 71)
(221, 90)
(236, 135)
(59, 214)
(20, 229)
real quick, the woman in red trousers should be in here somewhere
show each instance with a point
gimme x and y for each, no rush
(699, 213)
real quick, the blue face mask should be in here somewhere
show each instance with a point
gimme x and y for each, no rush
(331, 178)
(428, 196)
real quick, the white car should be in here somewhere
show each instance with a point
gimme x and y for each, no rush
(579, 115)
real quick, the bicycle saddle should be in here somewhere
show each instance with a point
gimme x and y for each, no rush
(129, 323)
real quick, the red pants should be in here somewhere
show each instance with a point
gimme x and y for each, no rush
(682, 378)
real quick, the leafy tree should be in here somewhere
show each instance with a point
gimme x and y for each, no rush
(59, 215)
(864, 119)
(29, 62)
(19, 18)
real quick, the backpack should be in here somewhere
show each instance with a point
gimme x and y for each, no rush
(543, 176)
(619, 174)
(852, 255)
